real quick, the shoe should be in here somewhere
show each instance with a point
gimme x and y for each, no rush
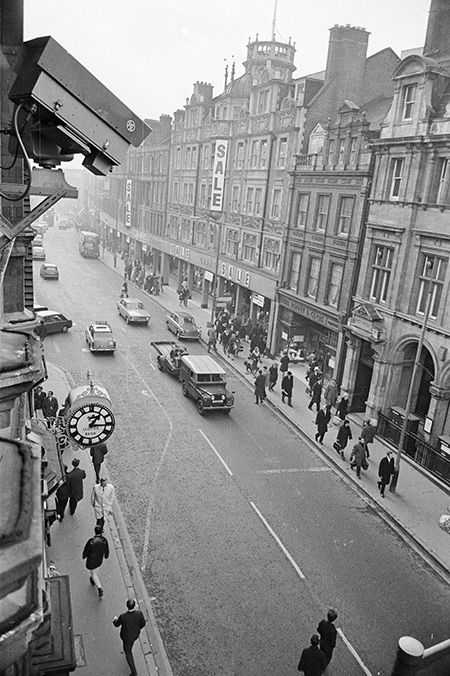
(100, 592)
(290, 405)
(91, 580)
(382, 495)
(379, 484)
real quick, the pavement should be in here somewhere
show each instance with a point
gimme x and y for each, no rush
(420, 497)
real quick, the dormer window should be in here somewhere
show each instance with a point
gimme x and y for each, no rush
(409, 100)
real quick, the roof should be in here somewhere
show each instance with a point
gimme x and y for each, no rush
(46, 313)
(202, 364)
(186, 315)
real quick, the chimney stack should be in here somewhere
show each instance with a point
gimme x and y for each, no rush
(437, 40)
(346, 60)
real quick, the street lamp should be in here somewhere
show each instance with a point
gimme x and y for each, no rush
(394, 480)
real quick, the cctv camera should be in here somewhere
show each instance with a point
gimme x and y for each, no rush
(66, 110)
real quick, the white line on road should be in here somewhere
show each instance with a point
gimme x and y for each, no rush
(151, 366)
(353, 652)
(295, 469)
(278, 541)
(216, 452)
(57, 348)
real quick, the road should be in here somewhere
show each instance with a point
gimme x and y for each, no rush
(245, 535)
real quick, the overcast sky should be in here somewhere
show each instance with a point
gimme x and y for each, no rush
(150, 52)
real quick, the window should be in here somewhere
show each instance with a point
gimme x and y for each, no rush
(235, 198)
(313, 277)
(254, 155)
(239, 157)
(175, 192)
(232, 243)
(294, 271)
(271, 258)
(282, 151)
(396, 177)
(191, 193)
(442, 174)
(194, 157)
(263, 100)
(276, 200)
(262, 154)
(185, 193)
(178, 158)
(249, 201)
(431, 272)
(258, 203)
(188, 158)
(341, 151)
(409, 99)
(331, 151)
(323, 205)
(249, 248)
(352, 150)
(185, 230)
(381, 273)
(345, 215)
(302, 209)
(200, 234)
(334, 284)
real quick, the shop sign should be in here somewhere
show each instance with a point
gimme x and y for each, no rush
(284, 335)
(208, 275)
(257, 299)
(312, 314)
(218, 179)
(179, 251)
(236, 274)
(224, 299)
(128, 189)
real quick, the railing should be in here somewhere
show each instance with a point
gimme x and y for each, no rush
(306, 161)
(416, 448)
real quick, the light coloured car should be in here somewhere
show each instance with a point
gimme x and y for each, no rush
(49, 271)
(183, 325)
(99, 337)
(133, 311)
(38, 253)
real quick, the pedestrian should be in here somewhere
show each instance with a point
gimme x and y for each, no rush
(343, 436)
(124, 289)
(368, 434)
(328, 634)
(323, 417)
(115, 259)
(255, 357)
(95, 550)
(260, 387)
(266, 374)
(40, 331)
(284, 362)
(386, 469)
(313, 660)
(50, 407)
(313, 375)
(130, 624)
(358, 457)
(287, 385)
(316, 395)
(273, 373)
(39, 396)
(342, 407)
(98, 452)
(330, 392)
(75, 480)
(102, 498)
(212, 338)
(62, 496)
(231, 348)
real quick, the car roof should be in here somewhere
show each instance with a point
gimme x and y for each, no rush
(49, 265)
(202, 364)
(38, 247)
(101, 326)
(48, 313)
(185, 315)
(131, 300)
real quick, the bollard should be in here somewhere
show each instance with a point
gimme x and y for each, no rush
(409, 657)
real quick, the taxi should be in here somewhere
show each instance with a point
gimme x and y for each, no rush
(99, 337)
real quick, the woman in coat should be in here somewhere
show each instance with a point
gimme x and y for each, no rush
(342, 407)
(260, 387)
(323, 417)
(331, 392)
(343, 436)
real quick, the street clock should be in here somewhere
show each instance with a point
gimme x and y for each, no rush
(89, 418)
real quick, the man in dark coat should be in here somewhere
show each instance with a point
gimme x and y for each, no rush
(323, 417)
(273, 376)
(343, 436)
(316, 395)
(328, 634)
(368, 434)
(287, 385)
(98, 452)
(95, 549)
(130, 624)
(385, 471)
(312, 661)
(260, 387)
(284, 363)
(75, 483)
(62, 497)
(39, 396)
(358, 457)
(50, 406)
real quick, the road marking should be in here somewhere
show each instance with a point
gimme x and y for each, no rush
(216, 452)
(279, 543)
(353, 652)
(151, 366)
(294, 469)
(57, 348)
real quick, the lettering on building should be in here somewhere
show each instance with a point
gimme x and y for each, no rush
(128, 192)
(220, 160)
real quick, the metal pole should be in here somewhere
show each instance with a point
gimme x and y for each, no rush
(409, 657)
(394, 480)
(219, 239)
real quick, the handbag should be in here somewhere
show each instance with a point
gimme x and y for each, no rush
(365, 464)
(336, 420)
(307, 390)
(337, 446)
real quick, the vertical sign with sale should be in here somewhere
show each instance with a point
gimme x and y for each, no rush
(220, 160)
(128, 187)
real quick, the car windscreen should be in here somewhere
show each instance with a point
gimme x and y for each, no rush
(134, 306)
(189, 323)
(102, 335)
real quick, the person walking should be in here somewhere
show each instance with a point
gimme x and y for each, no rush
(328, 634)
(130, 624)
(330, 392)
(284, 363)
(75, 480)
(273, 373)
(266, 374)
(98, 452)
(323, 417)
(343, 436)
(312, 660)
(50, 407)
(39, 396)
(358, 457)
(102, 498)
(316, 395)
(260, 387)
(62, 497)
(342, 407)
(368, 434)
(386, 469)
(212, 339)
(95, 550)
(287, 385)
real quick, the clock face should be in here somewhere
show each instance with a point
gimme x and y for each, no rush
(91, 424)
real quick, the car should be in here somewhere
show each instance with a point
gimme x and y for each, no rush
(99, 337)
(169, 356)
(133, 311)
(204, 381)
(64, 225)
(38, 240)
(49, 271)
(38, 253)
(183, 325)
(54, 322)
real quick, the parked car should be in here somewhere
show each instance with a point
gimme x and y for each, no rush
(38, 253)
(133, 311)
(204, 381)
(183, 325)
(38, 240)
(54, 322)
(49, 271)
(169, 356)
(99, 337)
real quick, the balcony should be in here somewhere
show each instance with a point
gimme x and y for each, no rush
(308, 162)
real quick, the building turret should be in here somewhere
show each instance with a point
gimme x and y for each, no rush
(437, 41)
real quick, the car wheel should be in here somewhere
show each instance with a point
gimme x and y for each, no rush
(184, 390)
(65, 329)
(227, 411)
(177, 334)
(127, 320)
(200, 407)
(160, 364)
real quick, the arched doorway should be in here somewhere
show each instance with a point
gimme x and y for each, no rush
(421, 387)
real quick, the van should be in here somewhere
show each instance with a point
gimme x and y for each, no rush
(204, 381)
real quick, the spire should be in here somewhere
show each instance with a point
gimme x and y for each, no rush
(233, 69)
(226, 76)
(274, 20)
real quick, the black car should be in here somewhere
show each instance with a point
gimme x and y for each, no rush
(54, 322)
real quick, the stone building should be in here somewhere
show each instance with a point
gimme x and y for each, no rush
(404, 279)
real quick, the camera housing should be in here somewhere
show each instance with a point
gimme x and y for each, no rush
(69, 111)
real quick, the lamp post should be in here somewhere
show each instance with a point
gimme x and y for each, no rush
(216, 271)
(394, 480)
